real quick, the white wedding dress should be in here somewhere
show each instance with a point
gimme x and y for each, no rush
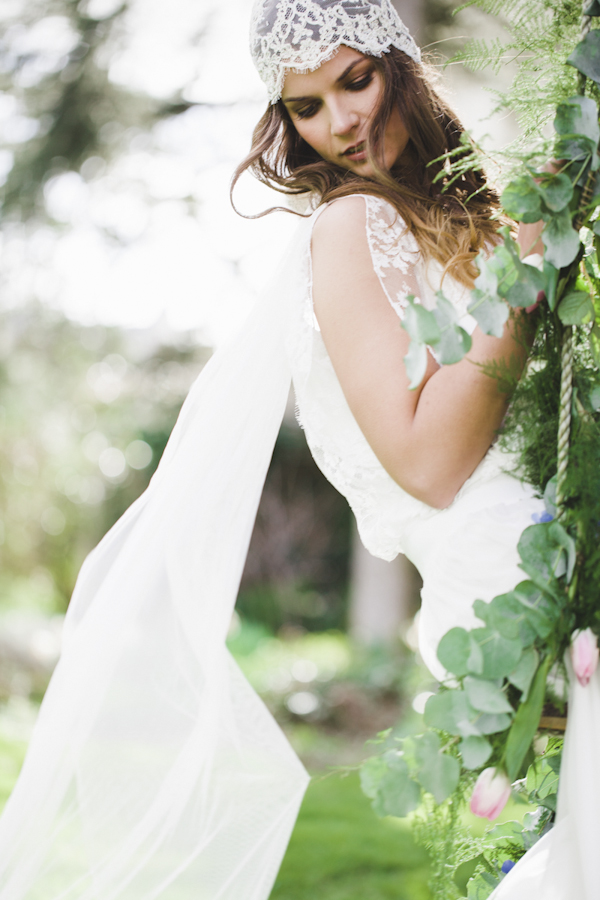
(154, 770)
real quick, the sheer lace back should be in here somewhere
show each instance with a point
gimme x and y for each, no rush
(383, 510)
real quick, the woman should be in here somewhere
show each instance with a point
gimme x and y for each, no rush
(154, 770)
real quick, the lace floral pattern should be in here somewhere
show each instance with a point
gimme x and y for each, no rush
(303, 34)
(384, 512)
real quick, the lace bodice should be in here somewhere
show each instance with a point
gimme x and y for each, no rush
(383, 510)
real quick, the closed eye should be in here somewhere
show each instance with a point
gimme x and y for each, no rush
(361, 83)
(306, 112)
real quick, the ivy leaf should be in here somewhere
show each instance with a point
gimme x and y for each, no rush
(475, 751)
(371, 773)
(556, 191)
(485, 696)
(451, 711)
(459, 653)
(522, 675)
(586, 56)
(526, 722)
(415, 363)
(561, 240)
(489, 313)
(500, 654)
(438, 773)
(576, 308)
(521, 199)
(398, 794)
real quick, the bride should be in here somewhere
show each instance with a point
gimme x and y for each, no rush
(154, 770)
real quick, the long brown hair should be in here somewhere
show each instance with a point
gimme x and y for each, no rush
(452, 218)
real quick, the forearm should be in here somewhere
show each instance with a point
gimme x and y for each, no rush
(458, 415)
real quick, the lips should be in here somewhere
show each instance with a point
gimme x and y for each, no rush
(355, 150)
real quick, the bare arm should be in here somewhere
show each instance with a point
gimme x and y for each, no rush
(429, 440)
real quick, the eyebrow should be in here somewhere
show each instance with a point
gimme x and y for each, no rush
(344, 74)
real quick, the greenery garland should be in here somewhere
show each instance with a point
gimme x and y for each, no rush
(483, 725)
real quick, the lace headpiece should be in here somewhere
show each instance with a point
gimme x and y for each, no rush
(303, 34)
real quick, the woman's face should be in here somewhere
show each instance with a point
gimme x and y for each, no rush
(332, 109)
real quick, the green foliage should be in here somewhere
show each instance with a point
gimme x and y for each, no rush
(68, 394)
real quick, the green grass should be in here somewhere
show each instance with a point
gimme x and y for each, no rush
(341, 851)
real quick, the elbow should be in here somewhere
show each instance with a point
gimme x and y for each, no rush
(431, 489)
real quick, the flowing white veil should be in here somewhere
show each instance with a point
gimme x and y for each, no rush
(154, 769)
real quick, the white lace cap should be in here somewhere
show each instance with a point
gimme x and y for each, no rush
(303, 34)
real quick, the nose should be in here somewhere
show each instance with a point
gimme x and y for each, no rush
(343, 119)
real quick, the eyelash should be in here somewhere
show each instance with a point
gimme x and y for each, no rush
(359, 85)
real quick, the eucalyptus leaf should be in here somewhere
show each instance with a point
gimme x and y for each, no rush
(521, 199)
(485, 696)
(451, 711)
(371, 774)
(546, 548)
(420, 323)
(475, 751)
(505, 613)
(592, 8)
(453, 345)
(522, 674)
(586, 56)
(490, 314)
(500, 654)
(398, 794)
(576, 308)
(415, 363)
(438, 773)
(579, 115)
(459, 653)
(561, 240)
(493, 723)
(526, 722)
(556, 191)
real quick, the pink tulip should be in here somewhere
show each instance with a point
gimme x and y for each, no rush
(491, 791)
(584, 654)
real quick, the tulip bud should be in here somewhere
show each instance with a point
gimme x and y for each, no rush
(491, 791)
(584, 654)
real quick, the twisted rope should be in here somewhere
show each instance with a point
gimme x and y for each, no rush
(564, 420)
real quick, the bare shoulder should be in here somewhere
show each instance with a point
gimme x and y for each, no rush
(346, 216)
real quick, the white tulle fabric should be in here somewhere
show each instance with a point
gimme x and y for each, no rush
(303, 34)
(154, 769)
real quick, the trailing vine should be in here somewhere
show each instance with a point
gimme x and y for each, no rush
(483, 725)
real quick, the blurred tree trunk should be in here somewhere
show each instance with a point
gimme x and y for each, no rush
(383, 595)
